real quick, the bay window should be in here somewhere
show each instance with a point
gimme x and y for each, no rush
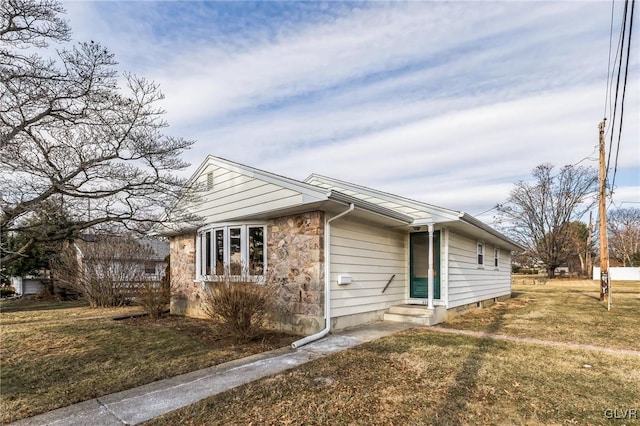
(238, 250)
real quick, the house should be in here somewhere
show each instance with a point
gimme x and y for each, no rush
(100, 266)
(370, 254)
(139, 255)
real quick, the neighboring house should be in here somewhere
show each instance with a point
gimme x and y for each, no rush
(374, 255)
(157, 263)
(103, 251)
(116, 250)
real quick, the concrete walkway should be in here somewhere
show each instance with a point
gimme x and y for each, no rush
(143, 403)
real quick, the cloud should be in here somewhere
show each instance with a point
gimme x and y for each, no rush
(446, 102)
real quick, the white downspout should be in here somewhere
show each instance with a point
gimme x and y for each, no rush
(327, 283)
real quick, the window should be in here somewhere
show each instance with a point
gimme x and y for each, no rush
(480, 253)
(235, 256)
(149, 268)
(256, 250)
(207, 252)
(496, 256)
(219, 251)
(240, 248)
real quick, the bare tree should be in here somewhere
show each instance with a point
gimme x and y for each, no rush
(624, 236)
(538, 214)
(580, 248)
(70, 137)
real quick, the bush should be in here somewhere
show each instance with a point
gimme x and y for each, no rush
(104, 270)
(240, 308)
(153, 297)
(7, 291)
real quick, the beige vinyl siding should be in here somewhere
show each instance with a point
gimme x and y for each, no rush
(470, 282)
(370, 255)
(234, 195)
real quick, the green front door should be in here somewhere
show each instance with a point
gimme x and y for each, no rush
(419, 265)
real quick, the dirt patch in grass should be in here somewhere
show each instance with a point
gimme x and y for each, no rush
(564, 311)
(54, 358)
(421, 377)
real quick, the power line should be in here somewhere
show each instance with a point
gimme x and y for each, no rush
(615, 103)
(624, 90)
(606, 94)
(588, 157)
(487, 211)
(610, 76)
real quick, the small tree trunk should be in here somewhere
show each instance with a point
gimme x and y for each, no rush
(582, 264)
(551, 272)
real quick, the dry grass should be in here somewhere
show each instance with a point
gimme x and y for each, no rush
(56, 357)
(565, 311)
(421, 377)
(424, 377)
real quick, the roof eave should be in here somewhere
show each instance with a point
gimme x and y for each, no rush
(370, 207)
(479, 224)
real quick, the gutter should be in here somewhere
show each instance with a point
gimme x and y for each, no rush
(327, 283)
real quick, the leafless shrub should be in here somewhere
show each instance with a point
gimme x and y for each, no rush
(240, 304)
(540, 280)
(153, 296)
(106, 272)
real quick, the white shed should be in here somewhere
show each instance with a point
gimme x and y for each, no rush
(27, 286)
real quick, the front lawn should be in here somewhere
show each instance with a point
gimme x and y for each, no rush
(65, 353)
(565, 311)
(426, 377)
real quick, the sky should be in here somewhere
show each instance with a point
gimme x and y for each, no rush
(449, 103)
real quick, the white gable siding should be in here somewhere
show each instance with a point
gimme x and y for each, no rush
(470, 282)
(235, 194)
(370, 255)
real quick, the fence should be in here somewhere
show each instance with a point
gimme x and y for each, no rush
(619, 273)
(130, 289)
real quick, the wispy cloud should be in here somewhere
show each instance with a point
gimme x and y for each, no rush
(446, 102)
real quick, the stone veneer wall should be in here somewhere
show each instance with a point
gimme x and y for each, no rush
(295, 260)
(186, 294)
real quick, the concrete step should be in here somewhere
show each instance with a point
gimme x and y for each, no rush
(416, 314)
(410, 310)
(411, 319)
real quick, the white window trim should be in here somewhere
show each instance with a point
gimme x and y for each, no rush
(496, 258)
(244, 247)
(478, 245)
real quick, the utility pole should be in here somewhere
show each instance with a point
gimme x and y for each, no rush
(587, 256)
(604, 262)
